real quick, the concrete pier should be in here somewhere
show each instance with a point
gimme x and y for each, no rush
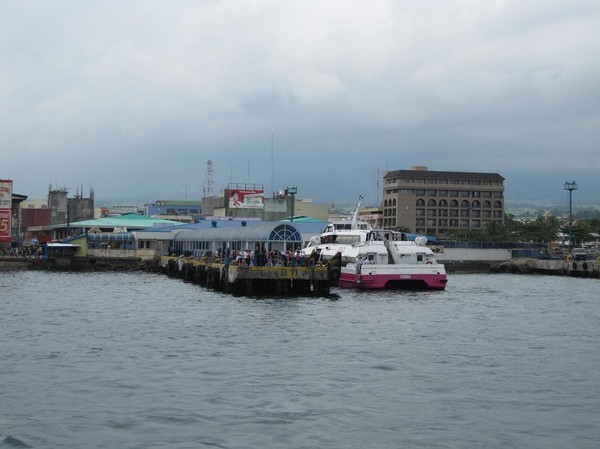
(579, 268)
(251, 280)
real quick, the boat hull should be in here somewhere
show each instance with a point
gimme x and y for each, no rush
(393, 278)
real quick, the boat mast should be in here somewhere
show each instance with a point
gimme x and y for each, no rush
(355, 215)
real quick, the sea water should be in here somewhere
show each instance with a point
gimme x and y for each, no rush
(116, 360)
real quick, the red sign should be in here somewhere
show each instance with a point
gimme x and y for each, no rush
(5, 210)
(246, 199)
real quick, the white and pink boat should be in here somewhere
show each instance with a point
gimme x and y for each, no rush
(388, 260)
(377, 259)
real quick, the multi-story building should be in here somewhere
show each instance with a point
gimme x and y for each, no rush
(438, 202)
(65, 210)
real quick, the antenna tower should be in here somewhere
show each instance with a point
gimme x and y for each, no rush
(208, 180)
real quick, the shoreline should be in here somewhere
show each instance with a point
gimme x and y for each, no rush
(585, 268)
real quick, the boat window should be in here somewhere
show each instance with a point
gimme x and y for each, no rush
(419, 257)
(346, 239)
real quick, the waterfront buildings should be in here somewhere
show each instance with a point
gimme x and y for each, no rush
(176, 210)
(248, 202)
(439, 202)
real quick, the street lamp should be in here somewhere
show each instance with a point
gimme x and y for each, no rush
(570, 186)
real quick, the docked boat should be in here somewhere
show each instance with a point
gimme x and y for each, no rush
(376, 259)
(389, 260)
(339, 237)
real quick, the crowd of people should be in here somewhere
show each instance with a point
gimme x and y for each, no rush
(33, 251)
(262, 258)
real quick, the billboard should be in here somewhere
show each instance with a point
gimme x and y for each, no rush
(246, 199)
(5, 210)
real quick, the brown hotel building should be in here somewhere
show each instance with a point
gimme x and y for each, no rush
(438, 202)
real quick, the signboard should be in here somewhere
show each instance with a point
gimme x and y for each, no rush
(5, 210)
(246, 199)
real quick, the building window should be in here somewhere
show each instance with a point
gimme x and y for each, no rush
(420, 212)
(442, 193)
(420, 203)
(453, 203)
(453, 193)
(497, 204)
(431, 212)
(465, 194)
(431, 192)
(487, 204)
(420, 192)
(431, 203)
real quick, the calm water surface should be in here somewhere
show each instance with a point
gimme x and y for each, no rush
(111, 360)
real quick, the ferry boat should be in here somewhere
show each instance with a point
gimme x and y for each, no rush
(377, 259)
(389, 260)
(339, 237)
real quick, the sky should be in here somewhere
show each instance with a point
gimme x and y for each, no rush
(134, 98)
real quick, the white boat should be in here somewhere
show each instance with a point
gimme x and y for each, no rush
(339, 237)
(389, 260)
(376, 259)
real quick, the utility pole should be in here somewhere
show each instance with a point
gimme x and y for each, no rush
(570, 186)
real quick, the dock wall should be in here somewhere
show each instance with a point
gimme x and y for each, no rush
(251, 280)
(579, 268)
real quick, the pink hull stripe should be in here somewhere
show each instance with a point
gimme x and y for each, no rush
(379, 281)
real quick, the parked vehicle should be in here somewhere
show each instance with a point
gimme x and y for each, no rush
(580, 253)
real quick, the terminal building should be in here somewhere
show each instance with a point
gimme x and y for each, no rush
(439, 202)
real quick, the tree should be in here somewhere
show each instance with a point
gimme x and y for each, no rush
(581, 232)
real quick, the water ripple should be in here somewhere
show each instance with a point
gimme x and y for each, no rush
(494, 361)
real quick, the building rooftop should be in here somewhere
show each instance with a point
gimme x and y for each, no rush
(442, 174)
(129, 221)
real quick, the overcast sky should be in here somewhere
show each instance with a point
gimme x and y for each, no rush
(134, 97)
